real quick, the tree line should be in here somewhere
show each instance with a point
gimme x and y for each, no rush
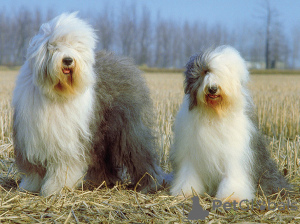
(156, 42)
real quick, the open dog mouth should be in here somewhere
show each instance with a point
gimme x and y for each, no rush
(213, 96)
(67, 71)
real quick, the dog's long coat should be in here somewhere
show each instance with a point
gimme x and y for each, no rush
(217, 146)
(71, 120)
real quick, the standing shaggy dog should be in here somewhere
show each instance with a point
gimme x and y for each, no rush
(217, 147)
(70, 120)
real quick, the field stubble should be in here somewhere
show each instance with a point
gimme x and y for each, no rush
(277, 103)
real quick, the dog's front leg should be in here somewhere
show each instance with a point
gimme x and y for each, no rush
(186, 180)
(236, 185)
(62, 175)
(31, 182)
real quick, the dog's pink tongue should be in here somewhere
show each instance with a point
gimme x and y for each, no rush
(66, 71)
(213, 96)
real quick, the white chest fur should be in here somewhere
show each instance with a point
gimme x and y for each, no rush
(52, 130)
(214, 148)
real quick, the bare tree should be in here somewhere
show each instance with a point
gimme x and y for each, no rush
(279, 47)
(189, 33)
(127, 30)
(144, 38)
(104, 24)
(160, 42)
(178, 59)
(268, 36)
(295, 46)
(24, 30)
(50, 14)
(256, 46)
(37, 20)
(275, 41)
(3, 36)
(163, 49)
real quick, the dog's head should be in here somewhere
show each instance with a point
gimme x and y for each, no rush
(216, 79)
(61, 56)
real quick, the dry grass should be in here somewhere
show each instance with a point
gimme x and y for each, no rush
(277, 99)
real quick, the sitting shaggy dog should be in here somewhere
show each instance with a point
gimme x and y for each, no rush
(71, 121)
(217, 147)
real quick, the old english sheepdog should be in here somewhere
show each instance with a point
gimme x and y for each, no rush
(73, 120)
(217, 146)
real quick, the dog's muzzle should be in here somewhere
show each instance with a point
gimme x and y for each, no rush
(212, 92)
(67, 62)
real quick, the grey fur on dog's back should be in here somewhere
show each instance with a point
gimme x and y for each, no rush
(264, 170)
(123, 136)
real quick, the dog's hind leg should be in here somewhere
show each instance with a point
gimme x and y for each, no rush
(132, 144)
(140, 159)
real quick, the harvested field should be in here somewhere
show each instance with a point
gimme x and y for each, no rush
(277, 98)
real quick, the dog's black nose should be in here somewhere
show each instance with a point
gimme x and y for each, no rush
(67, 60)
(212, 89)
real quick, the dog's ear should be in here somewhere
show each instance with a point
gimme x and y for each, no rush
(192, 101)
(189, 73)
(191, 82)
(37, 54)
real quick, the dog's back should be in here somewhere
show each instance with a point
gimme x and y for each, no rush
(123, 134)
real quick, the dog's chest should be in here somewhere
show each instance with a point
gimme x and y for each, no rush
(219, 143)
(57, 131)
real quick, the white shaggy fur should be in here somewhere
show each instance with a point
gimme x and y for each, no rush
(53, 109)
(73, 119)
(211, 151)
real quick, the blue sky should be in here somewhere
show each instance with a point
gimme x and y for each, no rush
(229, 13)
